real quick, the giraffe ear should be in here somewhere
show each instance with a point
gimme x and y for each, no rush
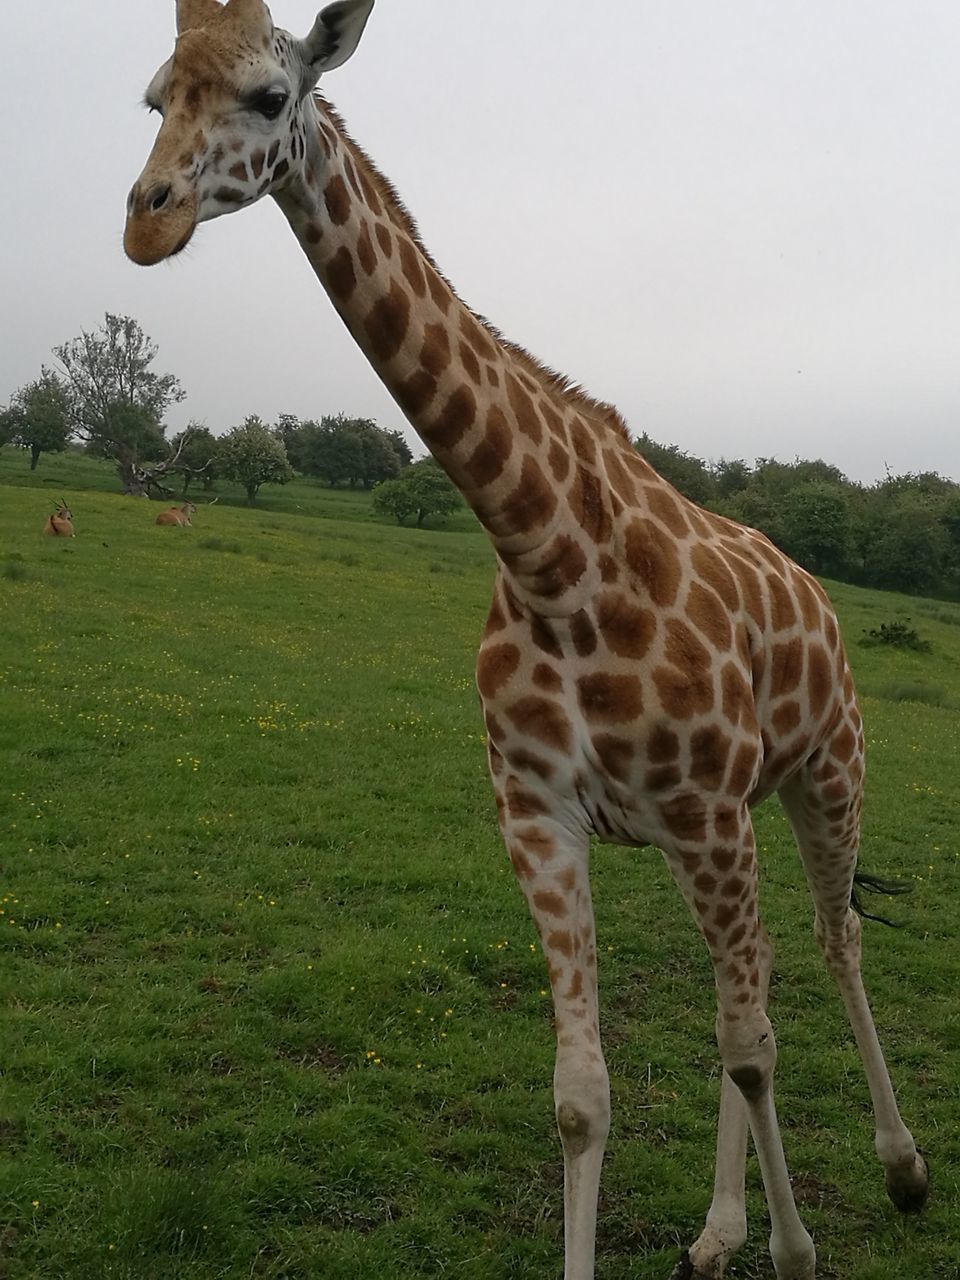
(334, 36)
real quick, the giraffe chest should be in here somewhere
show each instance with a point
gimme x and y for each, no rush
(586, 729)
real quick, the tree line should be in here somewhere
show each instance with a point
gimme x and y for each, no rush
(902, 533)
(104, 395)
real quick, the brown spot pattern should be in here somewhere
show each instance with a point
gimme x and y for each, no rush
(587, 505)
(653, 558)
(615, 754)
(709, 752)
(583, 633)
(384, 239)
(627, 629)
(336, 197)
(786, 667)
(612, 698)
(366, 253)
(490, 456)
(665, 506)
(541, 719)
(435, 352)
(545, 677)
(416, 392)
(387, 323)
(471, 364)
(559, 462)
(410, 265)
(524, 410)
(341, 277)
(710, 616)
(532, 502)
(454, 420)
(495, 666)
(819, 679)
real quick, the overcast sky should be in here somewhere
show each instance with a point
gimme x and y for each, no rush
(738, 221)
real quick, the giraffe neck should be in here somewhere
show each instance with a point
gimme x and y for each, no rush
(521, 446)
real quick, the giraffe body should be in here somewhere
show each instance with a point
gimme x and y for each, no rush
(648, 672)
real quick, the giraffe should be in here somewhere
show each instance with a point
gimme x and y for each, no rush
(648, 672)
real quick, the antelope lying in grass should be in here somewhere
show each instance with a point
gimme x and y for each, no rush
(60, 524)
(177, 515)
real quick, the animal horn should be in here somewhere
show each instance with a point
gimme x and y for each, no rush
(248, 11)
(193, 13)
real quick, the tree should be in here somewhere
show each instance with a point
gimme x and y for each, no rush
(815, 528)
(352, 451)
(197, 449)
(729, 476)
(38, 418)
(420, 490)
(685, 472)
(252, 455)
(378, 457)
(117, 402)
(910, 548)
(400, 447)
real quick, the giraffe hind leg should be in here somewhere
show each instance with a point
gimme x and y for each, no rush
(822, 803)
(719, 883)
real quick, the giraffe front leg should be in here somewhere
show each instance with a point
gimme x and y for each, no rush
(552, 868)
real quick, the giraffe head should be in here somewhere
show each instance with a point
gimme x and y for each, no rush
(232, 100)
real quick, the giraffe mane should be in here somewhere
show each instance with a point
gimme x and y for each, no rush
(556, 384)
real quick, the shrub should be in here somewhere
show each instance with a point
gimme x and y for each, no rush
(898, 634)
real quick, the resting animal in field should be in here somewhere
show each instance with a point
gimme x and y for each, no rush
(60, 524)
(177, 515)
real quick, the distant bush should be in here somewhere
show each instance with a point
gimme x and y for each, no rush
(898, 634)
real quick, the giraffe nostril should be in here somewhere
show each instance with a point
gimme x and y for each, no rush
(159, 197)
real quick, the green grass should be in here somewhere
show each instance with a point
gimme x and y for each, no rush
(271, 1001)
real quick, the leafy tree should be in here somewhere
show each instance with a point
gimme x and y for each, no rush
(378, 457)
(400, 447)
(197, 450)
(117, 402)
(252, 455)
(333, 452)
(729, 476)
(38, 419)
(352, 451)
(910, 547)
(420, 490)
(815, 527)
(685, 472)
(292, 432)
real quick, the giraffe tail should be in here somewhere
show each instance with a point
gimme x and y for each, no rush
(875, 884)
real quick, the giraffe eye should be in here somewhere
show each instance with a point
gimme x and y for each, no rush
(270, 104)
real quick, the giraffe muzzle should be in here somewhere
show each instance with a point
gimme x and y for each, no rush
(158, 224)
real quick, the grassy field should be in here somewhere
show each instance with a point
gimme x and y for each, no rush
(271, 1002)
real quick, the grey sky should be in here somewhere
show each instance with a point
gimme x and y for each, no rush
(739, 221)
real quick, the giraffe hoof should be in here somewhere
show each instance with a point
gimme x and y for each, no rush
(909, 1188)
(684, 1268)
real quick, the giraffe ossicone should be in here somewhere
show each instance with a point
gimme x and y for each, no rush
(649, 671)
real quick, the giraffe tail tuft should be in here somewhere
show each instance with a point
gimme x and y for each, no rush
(876, 884)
